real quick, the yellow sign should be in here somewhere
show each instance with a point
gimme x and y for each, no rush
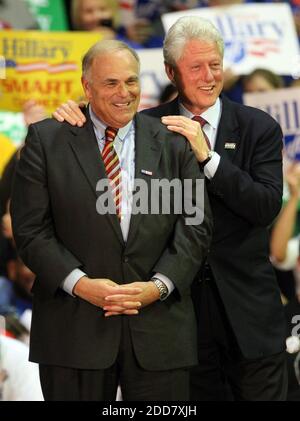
(7, 148)
(44, 66)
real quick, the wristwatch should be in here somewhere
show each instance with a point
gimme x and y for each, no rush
(209, 156)
(162, 288)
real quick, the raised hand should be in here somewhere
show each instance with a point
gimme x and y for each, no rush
(191, 130)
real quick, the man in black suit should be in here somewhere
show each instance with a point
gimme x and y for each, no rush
(241, 320)
(240, 315)
(112, 300)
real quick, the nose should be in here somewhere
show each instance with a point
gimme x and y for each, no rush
(122, 90)
(206, 74)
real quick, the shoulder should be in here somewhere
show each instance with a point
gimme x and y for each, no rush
(49, 131)
(159, 130)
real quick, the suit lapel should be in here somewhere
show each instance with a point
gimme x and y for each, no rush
(147, 156)
(228, 137)
(84, 145)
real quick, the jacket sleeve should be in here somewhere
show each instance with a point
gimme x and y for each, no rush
(33, 227)
(182, 259)
(255, 192)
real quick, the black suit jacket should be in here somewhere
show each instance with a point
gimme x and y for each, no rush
(245, 196)
(57, 229)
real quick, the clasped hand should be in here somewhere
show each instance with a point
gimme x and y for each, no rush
(116, 299)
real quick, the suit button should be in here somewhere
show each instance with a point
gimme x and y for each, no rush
(126, 259)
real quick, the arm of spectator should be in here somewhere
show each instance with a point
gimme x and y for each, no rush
(33, 112)
(284, 226)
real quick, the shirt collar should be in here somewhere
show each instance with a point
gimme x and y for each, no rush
(101, 127)
(211, 115)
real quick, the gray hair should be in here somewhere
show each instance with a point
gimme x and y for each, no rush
(186, 29)
(104, 47)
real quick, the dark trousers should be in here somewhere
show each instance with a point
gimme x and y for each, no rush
(137, 384)
(223, 373)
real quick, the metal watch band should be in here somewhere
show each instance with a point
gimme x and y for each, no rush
(162, 288)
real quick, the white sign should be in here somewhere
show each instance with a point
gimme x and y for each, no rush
(284, 106)
(153, 76)
(255, 35)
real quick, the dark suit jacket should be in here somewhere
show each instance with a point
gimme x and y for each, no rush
(245, 196)
(57, 229)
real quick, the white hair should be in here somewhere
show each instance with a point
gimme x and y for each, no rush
(186, 29)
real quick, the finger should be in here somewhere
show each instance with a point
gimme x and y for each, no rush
(130, 312)
(122, 306)
(108, 314)
(64, 116)
(67, 108)
(177, 129)
(120, 297)
(57, 116)
(76, 110)
(122, 290)
(114, 308)
(126, 312)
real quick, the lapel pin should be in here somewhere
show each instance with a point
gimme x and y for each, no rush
(229, 145)
(146, 172)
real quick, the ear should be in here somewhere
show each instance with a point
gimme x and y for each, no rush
(170, 72)
(86, 87)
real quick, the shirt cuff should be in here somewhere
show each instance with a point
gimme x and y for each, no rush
(169, 284)
(71, 280)
(211, 167)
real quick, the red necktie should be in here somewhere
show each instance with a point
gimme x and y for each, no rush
(202, 122)
(112, 167)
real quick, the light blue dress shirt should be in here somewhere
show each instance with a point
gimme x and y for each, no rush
(125, 148)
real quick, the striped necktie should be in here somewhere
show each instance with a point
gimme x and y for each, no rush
(112, 167)
(202, 122)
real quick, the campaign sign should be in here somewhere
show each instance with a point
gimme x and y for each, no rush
(44, 66)
(153, 76)
(255, 35)
(284, 106)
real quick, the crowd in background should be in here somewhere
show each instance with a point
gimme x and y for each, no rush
(139, 25)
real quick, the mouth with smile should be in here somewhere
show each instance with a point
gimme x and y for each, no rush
(207, 89)
(122, 105)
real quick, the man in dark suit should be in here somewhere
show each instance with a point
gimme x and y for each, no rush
(112, 299)
(241, 320)
(240, 316)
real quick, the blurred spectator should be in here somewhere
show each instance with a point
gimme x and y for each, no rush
(4, 25)
(16, 289)
(15, 278)
(284, 247)
(177, 5)
(224, 2)
(19, 378)
(262, 80)
(95, 15)
(141, 26)
(32, 113)
(15, 329)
